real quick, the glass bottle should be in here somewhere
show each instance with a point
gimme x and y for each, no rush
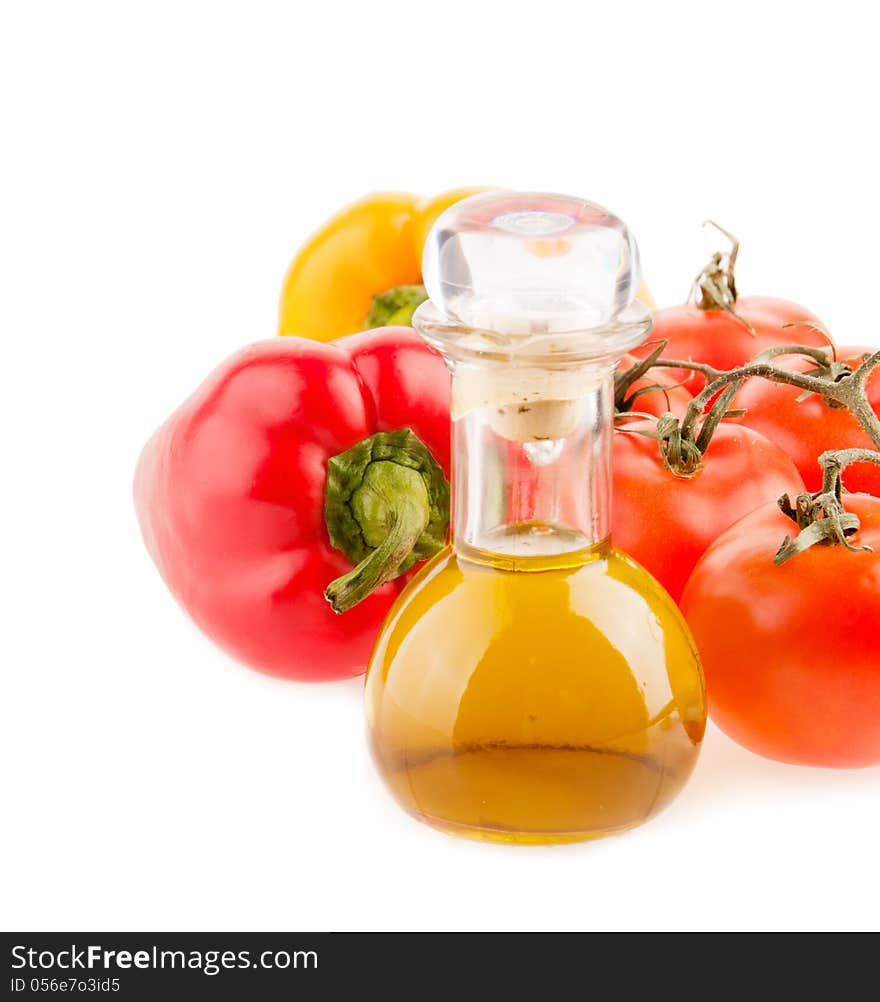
(533, 684)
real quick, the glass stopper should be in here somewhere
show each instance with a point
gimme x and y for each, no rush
(526, 263)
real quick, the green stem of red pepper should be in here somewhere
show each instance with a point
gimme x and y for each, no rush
(387, 508)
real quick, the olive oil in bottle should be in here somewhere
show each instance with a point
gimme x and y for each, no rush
(533, 684)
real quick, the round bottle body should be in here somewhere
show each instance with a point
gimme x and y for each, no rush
(555, 699)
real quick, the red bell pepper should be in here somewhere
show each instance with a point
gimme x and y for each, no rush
(293, 461)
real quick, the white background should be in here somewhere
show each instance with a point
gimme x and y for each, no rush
(161, 162)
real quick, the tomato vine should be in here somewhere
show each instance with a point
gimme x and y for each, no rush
(820, 517)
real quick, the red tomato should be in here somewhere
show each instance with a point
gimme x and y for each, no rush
(719, 339)
(667, 522)
(807, 429)
(671, 398)
(784, 678)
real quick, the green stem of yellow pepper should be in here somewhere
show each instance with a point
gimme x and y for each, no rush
(395, 307)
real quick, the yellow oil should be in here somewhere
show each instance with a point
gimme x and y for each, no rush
(554, 699)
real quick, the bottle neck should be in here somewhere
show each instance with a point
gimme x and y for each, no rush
(531, 469)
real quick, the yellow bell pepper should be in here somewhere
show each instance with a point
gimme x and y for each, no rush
(363, 267)
(369, 248)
